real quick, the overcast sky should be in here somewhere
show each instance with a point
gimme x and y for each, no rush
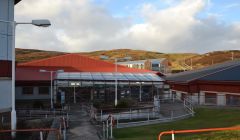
(156, 25)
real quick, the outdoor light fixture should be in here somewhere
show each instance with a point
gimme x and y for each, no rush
(41, 23)
(74, 84)
(116, 60)
(140, 90)
(51, 73)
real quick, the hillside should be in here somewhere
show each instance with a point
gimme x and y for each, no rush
(178, 61)
(25, 55)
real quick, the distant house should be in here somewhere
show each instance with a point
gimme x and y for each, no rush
(214, 85)
(158, 65)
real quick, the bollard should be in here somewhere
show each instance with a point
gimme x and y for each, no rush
(41, 135)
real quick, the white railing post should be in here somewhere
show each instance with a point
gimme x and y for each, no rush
(117, 120)
(107, 129)
(130, 114)
(41, 135)
(103, 130)
(173, 137)
(111, 128)
(148, 115)
(101, 115)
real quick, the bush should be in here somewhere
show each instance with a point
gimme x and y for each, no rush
(126, 103)
(38, 104)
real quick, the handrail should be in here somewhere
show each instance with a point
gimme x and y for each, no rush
(196, 131)
(41, 130)
(30, 130)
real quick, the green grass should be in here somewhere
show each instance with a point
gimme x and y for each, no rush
(204, 118)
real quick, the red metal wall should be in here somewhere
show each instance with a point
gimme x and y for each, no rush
(5, 68)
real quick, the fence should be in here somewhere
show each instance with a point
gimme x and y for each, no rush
(36, 113)
(60, 132)
(42, 132)
(173, 132)
(169, 110)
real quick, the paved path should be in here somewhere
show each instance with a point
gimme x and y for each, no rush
(80, 126)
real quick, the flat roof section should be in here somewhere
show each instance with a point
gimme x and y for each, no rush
(108, 76)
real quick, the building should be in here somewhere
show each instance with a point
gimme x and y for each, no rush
(159, 65)
(6, 36)
(91, 79)
(214, 85)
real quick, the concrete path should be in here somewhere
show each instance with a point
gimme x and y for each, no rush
(80, 127)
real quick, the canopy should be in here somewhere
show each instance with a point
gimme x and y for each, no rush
(107, 76)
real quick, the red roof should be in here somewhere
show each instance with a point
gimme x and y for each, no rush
(77, 63)
(69, 63)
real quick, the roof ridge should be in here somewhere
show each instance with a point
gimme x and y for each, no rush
(226, 68)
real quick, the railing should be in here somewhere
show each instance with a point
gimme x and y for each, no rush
(60, 132)
(108, 126)
(40, 130)
(128, 117)
(33, 114)
(173, 132)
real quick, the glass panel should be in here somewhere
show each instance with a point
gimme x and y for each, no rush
(120, 76)
(108, 76)
(62, 75)
(86, 76)
(97, 76)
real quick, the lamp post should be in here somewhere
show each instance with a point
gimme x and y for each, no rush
(40, 23)
(140, 90)
(116, 70)
(74, 84)
(51, 73)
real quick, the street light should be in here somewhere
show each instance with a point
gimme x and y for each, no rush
(140, 90)
(74, 84)
(40, 23)
(116, 60)
(51, 73)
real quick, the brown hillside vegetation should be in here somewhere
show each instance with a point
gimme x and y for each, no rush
(211, 58)
(25, 55)
(176, 59)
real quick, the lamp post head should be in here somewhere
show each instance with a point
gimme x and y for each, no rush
(41, 23)
(59, 71)
(42, 70)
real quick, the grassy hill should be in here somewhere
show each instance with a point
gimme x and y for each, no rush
(177, 60)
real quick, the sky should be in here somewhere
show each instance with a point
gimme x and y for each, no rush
(168, 26)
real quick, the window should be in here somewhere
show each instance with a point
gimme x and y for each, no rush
(43, 90)
(27, 90)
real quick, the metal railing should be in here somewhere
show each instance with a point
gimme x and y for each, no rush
(174, 132)
(40, 130)
(128, 117)
(107, 127)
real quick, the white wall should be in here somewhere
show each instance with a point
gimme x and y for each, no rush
(221, 99)
(5, 94)
(6, 13)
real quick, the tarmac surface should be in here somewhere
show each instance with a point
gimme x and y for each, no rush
(80, 127)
